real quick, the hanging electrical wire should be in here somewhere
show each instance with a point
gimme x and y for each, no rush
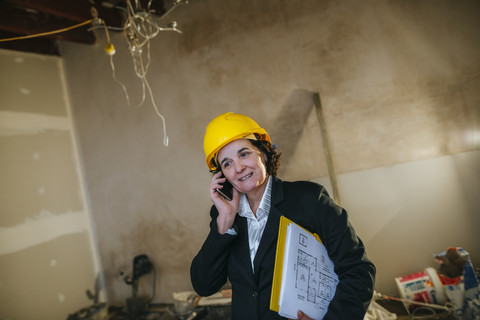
(110, 51)
(30, 36)
(140, 28)
(109, 48)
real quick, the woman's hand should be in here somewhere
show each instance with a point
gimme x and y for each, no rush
(227, 210)
(302, 316)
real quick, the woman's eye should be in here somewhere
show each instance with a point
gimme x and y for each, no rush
(243, 154)
(227, 164)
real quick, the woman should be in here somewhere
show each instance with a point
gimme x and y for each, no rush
(241, 244)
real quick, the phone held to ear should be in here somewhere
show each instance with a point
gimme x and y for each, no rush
(226, 191)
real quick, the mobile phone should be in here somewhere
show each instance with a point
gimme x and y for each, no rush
(226, 191)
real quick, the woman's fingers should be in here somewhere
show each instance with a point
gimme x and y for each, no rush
(302, 316)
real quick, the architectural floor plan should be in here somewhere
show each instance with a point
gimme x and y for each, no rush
(308, 279)
(317, 285)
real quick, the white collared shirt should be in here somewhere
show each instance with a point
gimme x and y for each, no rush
(256, 225)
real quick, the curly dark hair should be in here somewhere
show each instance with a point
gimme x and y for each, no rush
(273, 157)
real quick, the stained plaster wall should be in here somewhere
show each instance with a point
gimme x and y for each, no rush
(46, 254)
(399, 84)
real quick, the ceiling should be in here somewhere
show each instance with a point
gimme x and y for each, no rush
(30, 17)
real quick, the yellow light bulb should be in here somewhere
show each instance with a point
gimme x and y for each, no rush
(109, 49)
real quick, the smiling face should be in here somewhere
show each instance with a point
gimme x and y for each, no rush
(244, 166)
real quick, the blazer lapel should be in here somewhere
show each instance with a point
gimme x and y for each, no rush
(244, 255)
(270, 233)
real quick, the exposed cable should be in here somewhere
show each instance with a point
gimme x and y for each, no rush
(48, 32)
(416, 314)
(140, 29)
(448, 307)
(110, 51)
(118, 81)
(165, 137)
(108, 27)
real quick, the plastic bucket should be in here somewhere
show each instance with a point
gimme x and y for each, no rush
(424, 286)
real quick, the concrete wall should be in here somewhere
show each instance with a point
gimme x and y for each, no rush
(47, 258)
(399, 83)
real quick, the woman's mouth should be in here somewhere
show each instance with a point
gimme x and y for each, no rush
(246, 177)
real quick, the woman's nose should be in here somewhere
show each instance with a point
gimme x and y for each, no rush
(239, 166)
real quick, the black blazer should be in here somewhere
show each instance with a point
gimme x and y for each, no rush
(225, 256)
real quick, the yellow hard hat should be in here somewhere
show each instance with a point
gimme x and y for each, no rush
(224, 129)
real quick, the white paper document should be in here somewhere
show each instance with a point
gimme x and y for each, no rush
(308, 280)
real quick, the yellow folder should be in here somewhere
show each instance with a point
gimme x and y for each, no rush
(279, 258)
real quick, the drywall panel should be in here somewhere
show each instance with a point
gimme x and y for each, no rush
(40, 168)
(45, 281)
(46, 253)
(32, 84)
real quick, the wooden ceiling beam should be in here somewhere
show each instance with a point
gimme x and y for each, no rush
(78, 10)
(31, 17)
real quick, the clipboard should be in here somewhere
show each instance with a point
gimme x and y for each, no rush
(278, 272)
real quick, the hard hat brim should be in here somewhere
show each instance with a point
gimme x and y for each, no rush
(212, 166)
